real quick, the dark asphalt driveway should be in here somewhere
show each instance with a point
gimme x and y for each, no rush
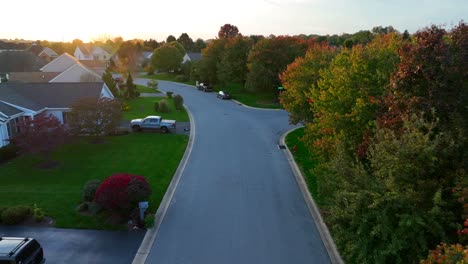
(81, 246)
(237, 200)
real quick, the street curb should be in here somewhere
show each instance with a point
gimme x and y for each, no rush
(256, 108)
(313, 209)
(151, 233)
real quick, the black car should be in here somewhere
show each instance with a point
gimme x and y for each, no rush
(205, 87)
(223, 95)
(16, 250)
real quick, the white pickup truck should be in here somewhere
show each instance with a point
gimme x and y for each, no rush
(153, 123)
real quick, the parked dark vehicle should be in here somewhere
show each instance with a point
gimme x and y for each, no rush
(205, 87)
(16, 250)
(223, 95)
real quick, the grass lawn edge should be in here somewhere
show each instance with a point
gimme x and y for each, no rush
(312, 206)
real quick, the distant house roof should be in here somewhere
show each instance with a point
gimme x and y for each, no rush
(49, 52)
(38, 96)
(20, 61)
(147, 54)
(35, 49)
(32, 76)
(84, 50)
(194, 56)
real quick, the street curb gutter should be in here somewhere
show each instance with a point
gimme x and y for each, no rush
(314, 211)
(256, 108)
(150, 236)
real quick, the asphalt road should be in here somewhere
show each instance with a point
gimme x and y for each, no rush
(237, 200)
(81, 246)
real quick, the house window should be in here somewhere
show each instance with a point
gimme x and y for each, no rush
(65, 117)
(96, 57)
(13, 127)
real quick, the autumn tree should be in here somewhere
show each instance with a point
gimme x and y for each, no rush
(129, 53)
(178, 46)
(40, 135)
(167, 57)
(268, 58)
(345, 105)
(406, 35)
(383, 30)
(199, 45)
(395, 206)
(151, 44)
(170, 38)
(211, 58)
(300, 78)
(232, 67)
(96, 117)
(228, 31)
(186, 42)
(432, 75)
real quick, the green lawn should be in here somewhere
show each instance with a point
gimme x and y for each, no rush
(144, 106)
(261, 100)
(165, 77)
(58, 191)
(146, 89)
(305, 161)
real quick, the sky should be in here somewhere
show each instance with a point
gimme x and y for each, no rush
(101, 19)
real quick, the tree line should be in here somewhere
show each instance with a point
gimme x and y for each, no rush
(387, 123)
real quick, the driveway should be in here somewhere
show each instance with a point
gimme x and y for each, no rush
(81, 246)
(237, 200)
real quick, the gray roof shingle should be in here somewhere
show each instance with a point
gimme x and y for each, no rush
(8, 110)
(37, 96)
(20, 61)
(194, 56)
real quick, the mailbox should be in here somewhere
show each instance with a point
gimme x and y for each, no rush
(143, 206)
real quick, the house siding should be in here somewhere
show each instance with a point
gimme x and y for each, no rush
(74, 74)
(3, 135)
(57, 113)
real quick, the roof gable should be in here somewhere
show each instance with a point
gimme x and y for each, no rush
(75, 74)
(84, 50)
(49, 52)
(60, 64)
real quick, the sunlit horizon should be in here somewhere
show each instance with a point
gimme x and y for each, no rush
(95, 20)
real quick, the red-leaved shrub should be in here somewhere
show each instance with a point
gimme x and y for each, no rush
(118, 192)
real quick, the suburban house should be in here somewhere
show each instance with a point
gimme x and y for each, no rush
(94, 53)
(70, 70)
(48, 54)
(26, 100)
(45, 53)
(192, 56)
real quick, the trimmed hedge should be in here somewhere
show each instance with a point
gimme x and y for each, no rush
(89, 190)
(8, 152)
(164, 107)
(16, 214)
(178, 101)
